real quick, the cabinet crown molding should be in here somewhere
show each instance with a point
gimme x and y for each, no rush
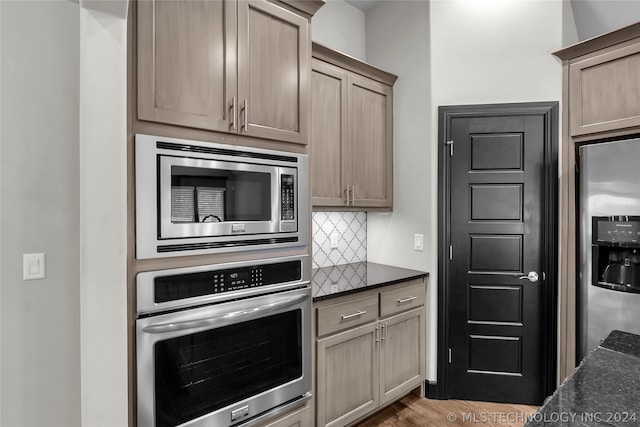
(352, 64)
(600, 42)
(310, 7)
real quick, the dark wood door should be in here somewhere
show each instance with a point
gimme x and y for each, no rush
(496, 212)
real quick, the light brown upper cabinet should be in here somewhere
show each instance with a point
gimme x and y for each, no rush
(351, 133)
(604, 89)
(235, 66)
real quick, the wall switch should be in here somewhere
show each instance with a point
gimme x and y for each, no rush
(334, 240)
(33, 266)
(418, 242)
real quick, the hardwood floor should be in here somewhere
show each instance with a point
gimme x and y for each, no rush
(414, 411)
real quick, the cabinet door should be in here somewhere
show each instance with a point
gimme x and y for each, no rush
(328, 134)
(370, 142)
(186, 62)
(274, 71)
(402, 354)
(297, 418)
(348, 383)
(604, 91)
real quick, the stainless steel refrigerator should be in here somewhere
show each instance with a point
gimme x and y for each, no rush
(608, 288)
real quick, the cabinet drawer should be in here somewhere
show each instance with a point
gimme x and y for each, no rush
(336, 317)
(401, 299)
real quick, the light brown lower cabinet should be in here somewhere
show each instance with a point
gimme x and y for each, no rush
(368, 366)
(401, 354)
(298, 418)
(348, 375)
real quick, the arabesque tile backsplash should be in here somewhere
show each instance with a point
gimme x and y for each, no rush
(351, 228)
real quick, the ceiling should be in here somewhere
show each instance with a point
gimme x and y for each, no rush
(592, 17)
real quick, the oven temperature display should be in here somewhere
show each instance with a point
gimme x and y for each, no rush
(236, 280)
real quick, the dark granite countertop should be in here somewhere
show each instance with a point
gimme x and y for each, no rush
(604, 390)
(339, 280)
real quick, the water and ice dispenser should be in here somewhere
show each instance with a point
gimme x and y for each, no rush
(616, 253)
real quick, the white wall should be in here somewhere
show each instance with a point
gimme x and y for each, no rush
(63, 354)
(503, 54)
(398, 42)
(498, 51)
(392, 26)
(40, 319)
(340, 26)
(596, 17)
(103, 212)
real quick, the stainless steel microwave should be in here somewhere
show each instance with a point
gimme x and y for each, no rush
(197, 197)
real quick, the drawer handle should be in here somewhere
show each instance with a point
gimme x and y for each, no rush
(349, 316)
(400, 301)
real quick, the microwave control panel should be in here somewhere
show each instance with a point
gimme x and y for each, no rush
(177, 287)
(287, 199)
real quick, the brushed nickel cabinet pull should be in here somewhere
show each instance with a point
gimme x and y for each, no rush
(353, 200)
(384, 328)
(349, 316)
(378, 333)
(346, 194)
(246, 117)
(233, 113)
(400, 301)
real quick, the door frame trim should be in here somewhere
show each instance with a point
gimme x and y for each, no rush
(549, 244)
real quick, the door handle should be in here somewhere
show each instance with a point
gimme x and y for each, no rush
(245, 110)
(383, 333)
(349, 316)
(224, 318)
(233, 114)
(532, 277)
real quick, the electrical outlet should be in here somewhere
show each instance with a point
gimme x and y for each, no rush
(418, 242)
(335, 237)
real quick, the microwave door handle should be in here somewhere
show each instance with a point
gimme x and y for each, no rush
(222, 319)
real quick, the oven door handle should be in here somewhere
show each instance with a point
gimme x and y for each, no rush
(224, 318)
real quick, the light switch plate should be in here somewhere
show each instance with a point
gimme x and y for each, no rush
(33, 266)
(418, 242)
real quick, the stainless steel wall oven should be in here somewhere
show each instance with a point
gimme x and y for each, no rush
(223, 345)
(197, 197)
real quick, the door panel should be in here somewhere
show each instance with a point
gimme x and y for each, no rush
(495, 253)
(186, 61)
(491, 354)
(496, 152)
(496, 209)
(497, 202)
(493, 303)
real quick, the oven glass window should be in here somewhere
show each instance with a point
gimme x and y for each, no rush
(219, 195)
(203, 372)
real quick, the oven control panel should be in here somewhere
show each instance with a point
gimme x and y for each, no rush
(189, 285)
(235, 280)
